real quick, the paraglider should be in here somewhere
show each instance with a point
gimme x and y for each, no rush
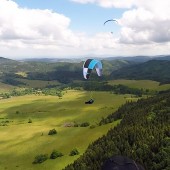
(113, 20)
(90, 101)
(110, 20)
(88, 66)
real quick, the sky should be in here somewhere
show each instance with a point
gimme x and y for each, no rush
(74, 28)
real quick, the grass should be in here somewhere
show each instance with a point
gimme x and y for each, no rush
(145, 84)
(5, 87)
(23, 74)
(38, 83)
(22, 141)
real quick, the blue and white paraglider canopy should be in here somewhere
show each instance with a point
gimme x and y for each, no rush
(89, 65)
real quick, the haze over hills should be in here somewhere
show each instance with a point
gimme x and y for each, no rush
(83, 58)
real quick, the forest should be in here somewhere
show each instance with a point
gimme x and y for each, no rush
(143, 135)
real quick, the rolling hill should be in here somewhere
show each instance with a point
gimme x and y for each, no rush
(15, 72)
(12, 71)
(158, 70)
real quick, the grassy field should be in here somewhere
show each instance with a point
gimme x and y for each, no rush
(23, 74)
(22, 141)
(38, 83)
(5, 87)
(145, 84)
(28, 84)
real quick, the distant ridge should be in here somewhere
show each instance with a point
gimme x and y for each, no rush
(6, 60)
(137, 59)
(158, 70)
(52, 60)
(141, 59)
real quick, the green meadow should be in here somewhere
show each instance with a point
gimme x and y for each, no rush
(38, 83)
(5, 87)
(145, 84)
(22, 141)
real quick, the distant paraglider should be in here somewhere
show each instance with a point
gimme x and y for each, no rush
(110, 20)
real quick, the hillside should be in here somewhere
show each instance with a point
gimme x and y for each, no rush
(13, 66)
(6, 60)
(158, 70)
(143, 135)
(65, 72)
(19, 73)
(112, 65)
(136, 59)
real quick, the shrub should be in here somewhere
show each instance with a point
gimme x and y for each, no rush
(92, 126)
(55, 154)
(85, 124)
(52, 132)
(29, 121)
(76, 124)
(40, 158)
(74, 152)
(17, 112)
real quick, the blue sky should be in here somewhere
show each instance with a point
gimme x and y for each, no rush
(74, 28)
(84, 17)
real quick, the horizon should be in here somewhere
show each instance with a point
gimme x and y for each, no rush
(82, 58)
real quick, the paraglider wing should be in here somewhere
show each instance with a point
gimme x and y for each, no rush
(109, 21)
(89, 65)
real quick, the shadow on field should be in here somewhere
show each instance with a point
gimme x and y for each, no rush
(43, 108)
(28, 140)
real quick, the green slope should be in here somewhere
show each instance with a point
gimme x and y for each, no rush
(143, 135)
(64, 72)
(141, 84)
(151, 70)
(22, 141)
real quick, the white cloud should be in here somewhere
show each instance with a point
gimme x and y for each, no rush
(109, 3)
(145, 29)
(25, 32)
(31, 24)
(144, 22)
(143, 26)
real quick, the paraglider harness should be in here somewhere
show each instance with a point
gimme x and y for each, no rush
(88, 67)
(91, 101)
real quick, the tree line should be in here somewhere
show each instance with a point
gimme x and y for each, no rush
(117, 89)
(21, 92)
